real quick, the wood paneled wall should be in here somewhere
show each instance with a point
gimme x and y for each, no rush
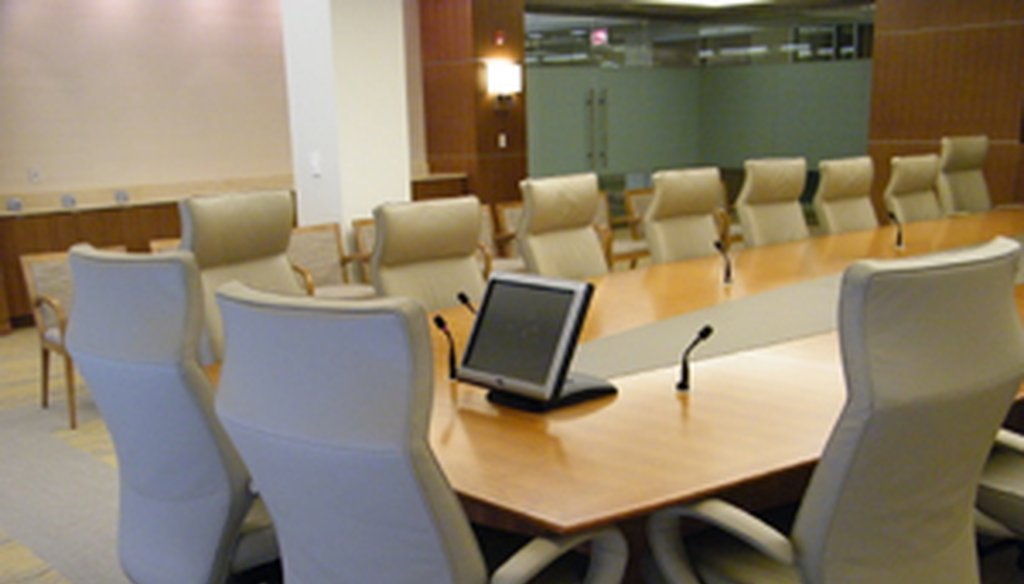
(946, 68)
(463, 122)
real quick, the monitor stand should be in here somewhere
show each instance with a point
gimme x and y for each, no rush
(577, 387)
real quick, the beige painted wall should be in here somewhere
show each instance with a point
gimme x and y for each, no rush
(119, 93)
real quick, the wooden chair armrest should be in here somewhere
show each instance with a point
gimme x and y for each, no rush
(44, 303)
(306, 278)
(724, 221)
(488, 260)
(605, 235)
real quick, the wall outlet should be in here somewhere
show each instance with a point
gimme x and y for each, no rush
(33, 175)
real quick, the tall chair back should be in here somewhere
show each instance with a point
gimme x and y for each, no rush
(843, 199)
(556, 234)
(681, 222)
(933, 355)
(769, 201)
(241, 236)
(911, 193)
(428, 251)
(183, 488)
(962, 185)
(338, 444)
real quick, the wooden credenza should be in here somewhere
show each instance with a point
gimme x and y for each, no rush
(131, 225)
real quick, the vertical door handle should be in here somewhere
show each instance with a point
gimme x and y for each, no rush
(590, 137)
(602, 121)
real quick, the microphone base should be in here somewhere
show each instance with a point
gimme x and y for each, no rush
(577, 388)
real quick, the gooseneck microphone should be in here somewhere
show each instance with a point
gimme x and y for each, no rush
(442, 325)
(684, 373)
(899, 230)
(465, 301)
(727, 261)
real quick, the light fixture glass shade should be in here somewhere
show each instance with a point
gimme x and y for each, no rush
(504, 77)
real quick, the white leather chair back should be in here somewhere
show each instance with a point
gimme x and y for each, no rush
(329, 403)
(911, 193)
(769, 201)
(933, 356)
(680, 221)
(183, 488)
(428, 251)
(556, 234)
(962, 185)
(843, 199)
(239, 236)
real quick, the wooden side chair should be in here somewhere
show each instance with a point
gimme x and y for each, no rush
(320, 251)
(48, 280)
(364, 231)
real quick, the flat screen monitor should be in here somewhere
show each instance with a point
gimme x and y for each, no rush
(523, 341)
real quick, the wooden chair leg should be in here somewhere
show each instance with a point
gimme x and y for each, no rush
(69, 376)
(45, 354)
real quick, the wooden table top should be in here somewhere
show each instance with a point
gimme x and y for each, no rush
(757, 412)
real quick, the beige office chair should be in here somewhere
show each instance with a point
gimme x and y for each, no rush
(911, 193)
(683, 221)
(556, 235)
(769, 201)
(320, 251)
(339, 446)
(186, 512)
(843, 199)
(962, 185)
(428, 251)
(933, 356)
(48, 282)
(242, 237)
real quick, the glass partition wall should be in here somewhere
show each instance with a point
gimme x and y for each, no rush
(624, 97)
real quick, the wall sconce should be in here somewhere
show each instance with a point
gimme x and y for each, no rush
(504, 80)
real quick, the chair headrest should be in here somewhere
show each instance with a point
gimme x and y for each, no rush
(914, 173)
(846, 178)
(228, 229)
(773, 180)
(560, 202)
(413, 232)
(964, 153)
(690, 191)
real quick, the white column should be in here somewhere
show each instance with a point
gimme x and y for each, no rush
(348, 110)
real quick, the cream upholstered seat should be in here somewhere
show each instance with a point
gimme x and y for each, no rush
(933, 355)
(48, 282)
(186, 512)
(910, 194)
(962, 185)
(1001, 491)
(843, 199)
(769, 201)
(556, 234)
(319, 250)
(340, 446)
(244, 237)
(427, 251)
(683, 220)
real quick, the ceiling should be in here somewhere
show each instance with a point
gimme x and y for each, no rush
(766, 10)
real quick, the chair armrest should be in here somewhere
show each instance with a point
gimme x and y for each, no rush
(488, 260)
(608, 556)
(667, 544)
(724, 221)
(48, 303)
(1010, 440)
(605, 235)
(305, 278)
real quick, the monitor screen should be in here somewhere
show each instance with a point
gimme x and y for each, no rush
(525, 334)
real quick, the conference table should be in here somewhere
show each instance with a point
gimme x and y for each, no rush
(751, 428)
